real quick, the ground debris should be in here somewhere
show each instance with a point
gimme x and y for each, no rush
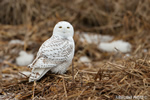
(105, 75)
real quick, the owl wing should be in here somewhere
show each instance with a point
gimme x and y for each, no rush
(53, 52)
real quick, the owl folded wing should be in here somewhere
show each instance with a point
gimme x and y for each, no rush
(53, 55)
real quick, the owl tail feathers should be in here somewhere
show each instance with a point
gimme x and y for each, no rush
(31, 65)
(37, 73)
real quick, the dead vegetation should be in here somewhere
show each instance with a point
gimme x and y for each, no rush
(108, 76)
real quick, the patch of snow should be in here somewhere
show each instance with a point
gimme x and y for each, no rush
(24, 58)
(16, 42)
(94, 38)
(84, 59)
(103, 42)
(127, 55)
(106, 38)
(120, 45)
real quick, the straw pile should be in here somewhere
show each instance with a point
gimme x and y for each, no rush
(107, 76)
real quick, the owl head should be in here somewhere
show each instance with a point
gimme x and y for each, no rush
(64, 29)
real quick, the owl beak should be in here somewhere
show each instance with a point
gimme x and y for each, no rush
(64, 30)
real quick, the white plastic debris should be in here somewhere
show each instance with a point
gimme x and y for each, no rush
(24, 58)
(16, 42)
(120, 45)
(84, 59)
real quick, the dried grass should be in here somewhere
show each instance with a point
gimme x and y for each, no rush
(108, 76)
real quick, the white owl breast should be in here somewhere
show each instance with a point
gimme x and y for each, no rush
(55, 51)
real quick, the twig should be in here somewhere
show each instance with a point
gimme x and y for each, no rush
(72, 72)
(82, 92)
(138, 48)
(76, 74)
(33, 90)
(64, 87)
(81, 79)
(90, 72)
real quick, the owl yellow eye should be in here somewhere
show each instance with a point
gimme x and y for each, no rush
(68, 27)
(60, 26)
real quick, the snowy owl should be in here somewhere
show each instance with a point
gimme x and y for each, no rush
(56, 53)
